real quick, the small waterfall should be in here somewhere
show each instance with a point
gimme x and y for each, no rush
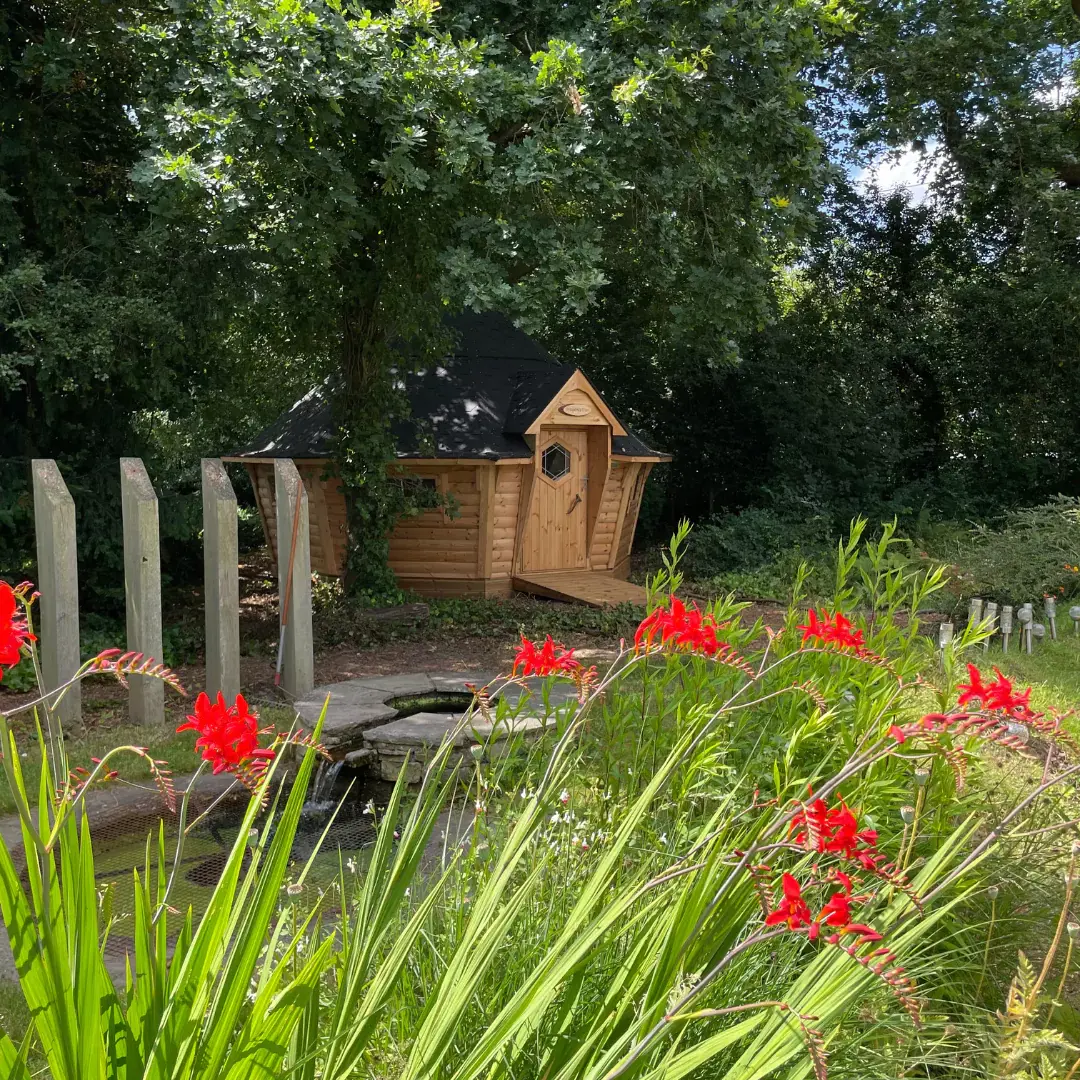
(322, 787)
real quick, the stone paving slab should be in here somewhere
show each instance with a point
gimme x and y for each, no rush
(353, 708)
(399, 685)
(559, 693)
(454, 682)
(429, 729)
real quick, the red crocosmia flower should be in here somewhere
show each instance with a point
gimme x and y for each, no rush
(1000, 695)
(973, 690)
(837, 912)
(793, 910)
(228, 735)
(547, 659)
(846, 834)
(14, 633)
(682, 626)
(824, 628)
(835, 831)
(897, 733)
(993, 696)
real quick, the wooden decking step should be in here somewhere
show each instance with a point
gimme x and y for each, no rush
(593, 587)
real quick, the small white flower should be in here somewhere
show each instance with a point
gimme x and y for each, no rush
(663, 838)
(564, 796)
(554, 819)
(408, 892)
(350, 865)
(370, 808)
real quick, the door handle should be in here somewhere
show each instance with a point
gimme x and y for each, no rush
(577, 499)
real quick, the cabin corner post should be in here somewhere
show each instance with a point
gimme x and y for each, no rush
(294, 597)
(58, 582)
(142, 587)
(221, 581)
(486, 477)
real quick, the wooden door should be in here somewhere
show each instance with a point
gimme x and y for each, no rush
(556, 536)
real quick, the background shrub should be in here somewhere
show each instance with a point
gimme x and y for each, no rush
(1035, 552)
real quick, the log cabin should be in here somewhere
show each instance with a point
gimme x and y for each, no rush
(542, 483)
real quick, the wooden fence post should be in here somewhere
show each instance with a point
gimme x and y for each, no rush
(221, 581)
(142, 585)
(298, 663)
(58, 582)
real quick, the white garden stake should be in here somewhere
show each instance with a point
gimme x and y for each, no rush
(1006, 626)
(990, 613)
(1074, 614)
(1050, 607)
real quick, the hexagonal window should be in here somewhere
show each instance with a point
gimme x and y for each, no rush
(555, 461)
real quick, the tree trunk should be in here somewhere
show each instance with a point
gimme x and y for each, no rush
(366, 407)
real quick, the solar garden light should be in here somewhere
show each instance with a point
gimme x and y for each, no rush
(1050, 607)
(975, 609)
(990, 612)
(1025, 617)
(1006, 626)
(1038, 631)
(1074, 614)
(944, 636)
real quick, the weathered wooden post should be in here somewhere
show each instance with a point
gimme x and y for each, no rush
(221, 581)
(294, 579)
(142, 584)
(58, 582)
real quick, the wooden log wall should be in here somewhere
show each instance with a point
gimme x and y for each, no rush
(435, 546)
(608, 518)
(508, 485)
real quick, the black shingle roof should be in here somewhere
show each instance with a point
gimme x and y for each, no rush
(477, 402)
